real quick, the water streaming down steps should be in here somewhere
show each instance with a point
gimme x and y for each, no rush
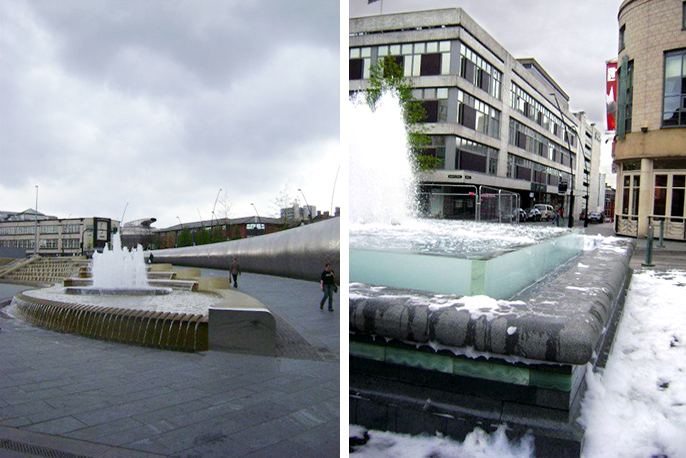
(167, 330)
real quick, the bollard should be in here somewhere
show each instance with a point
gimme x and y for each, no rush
(649, 249)
(662, 234)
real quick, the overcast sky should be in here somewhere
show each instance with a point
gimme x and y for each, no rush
(162, 103)
(570, 39)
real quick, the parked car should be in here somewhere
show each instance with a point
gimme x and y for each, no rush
(547, 211)
(596, 217)
(533, 214)
(519, 215)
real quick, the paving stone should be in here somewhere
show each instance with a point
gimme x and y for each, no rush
(104, 429)
(57, 426)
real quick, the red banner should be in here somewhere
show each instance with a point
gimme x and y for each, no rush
(611, 93)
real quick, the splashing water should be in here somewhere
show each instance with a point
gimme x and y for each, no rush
(119, 267)
(382, 182)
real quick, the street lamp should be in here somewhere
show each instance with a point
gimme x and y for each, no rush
(35, 226)
(215, 204)
(569, 147)
(258, 215)
(309, 212)
(180, 222)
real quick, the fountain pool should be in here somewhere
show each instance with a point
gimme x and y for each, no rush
(390, 246)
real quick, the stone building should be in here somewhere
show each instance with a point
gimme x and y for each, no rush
(494, 120)
(56, 236)
(650, 149)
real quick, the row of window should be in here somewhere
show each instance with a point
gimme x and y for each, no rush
(477, 115)
(471, 112)
(469, 155)
(50, 244)
(524, 103)
(475, 157)
(52, 229)
(524, 169)
(528, 139)
(427, 59)
(479, 72)
(435, 103)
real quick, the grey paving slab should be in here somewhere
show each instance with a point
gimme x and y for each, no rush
(57, 426)
(96, 398)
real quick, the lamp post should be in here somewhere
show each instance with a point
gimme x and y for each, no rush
(258, 215)
(215, 204)
(569, 147)
(309, 212)
(35, 226)
(180, 222)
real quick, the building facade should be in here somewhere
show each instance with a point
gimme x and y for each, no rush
(494, 120)
(650, 148)
(57, 236)
(298, 213)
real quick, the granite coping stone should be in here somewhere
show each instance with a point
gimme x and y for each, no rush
(559, 320)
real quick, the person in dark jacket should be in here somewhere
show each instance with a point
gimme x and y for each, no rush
(235, 272)
(327, 286)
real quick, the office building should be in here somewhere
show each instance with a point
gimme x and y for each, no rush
(493, 120)
(56, 236)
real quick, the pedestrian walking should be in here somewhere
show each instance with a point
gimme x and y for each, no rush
(557, 215)
(327, 285)
(235, 271)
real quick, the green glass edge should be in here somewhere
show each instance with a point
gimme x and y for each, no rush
(447, 364)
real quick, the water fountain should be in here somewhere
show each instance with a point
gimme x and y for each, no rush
(119, 272)
(390, 246)
(457, 324)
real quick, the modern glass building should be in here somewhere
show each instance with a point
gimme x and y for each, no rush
(650, 148)
(493, 120)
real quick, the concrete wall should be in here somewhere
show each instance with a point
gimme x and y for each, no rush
(296, 253)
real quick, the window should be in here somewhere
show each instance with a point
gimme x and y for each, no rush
(435, 103)
(430, 64)
(683, 16)
(479, 72)
(436, 149)
(628, 99)
(477, 115)
(359, 63)
(674, 104)
(475, 157)
(420, 59)
(622, 30)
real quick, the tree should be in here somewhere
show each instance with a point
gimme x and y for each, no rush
(285, 200)
(387, 76)
(185, 238)
(202, 237)
(223, 212)
(216, 235)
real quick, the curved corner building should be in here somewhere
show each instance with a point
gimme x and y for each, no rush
(650, 149)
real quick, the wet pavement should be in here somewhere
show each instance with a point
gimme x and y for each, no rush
(67, 396)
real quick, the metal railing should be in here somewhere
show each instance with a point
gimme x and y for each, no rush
(484, 203)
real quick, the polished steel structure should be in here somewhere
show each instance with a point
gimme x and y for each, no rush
(301, 252)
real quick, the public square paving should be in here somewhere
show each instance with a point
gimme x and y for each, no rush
(67, 396)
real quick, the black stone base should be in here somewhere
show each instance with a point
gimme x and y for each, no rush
(390, 405)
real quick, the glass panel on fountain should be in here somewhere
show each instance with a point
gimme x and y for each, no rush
(119, 267)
